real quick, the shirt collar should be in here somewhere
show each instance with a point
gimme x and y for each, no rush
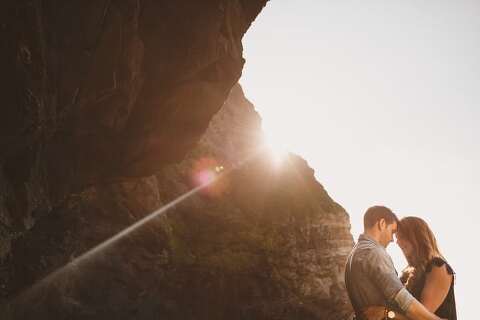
(366, 237)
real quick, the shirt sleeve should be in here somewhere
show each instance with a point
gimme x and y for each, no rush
(382, 273)
(404, 299)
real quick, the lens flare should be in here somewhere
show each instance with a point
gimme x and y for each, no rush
(206, 170)
(204, 176)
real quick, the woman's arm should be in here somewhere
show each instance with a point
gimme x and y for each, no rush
(437, 284)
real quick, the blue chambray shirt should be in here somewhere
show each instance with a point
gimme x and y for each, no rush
(371, 278)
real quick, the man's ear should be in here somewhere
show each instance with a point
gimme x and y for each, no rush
(382, 224)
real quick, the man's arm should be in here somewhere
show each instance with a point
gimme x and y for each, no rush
(414, 313)
(382, 272)
(417, 311)
(378, 313)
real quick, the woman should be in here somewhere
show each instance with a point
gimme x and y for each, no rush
(428, 276)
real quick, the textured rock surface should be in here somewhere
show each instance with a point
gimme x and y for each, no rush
(262, 242)
(97, 91)
(101, 102)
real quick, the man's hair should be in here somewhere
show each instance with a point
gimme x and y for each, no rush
(376, 213)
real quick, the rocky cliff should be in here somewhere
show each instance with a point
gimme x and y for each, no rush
(267, 237)
(261, 242)
(106, 106)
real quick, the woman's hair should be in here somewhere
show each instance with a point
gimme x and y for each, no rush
(424, 246)
(416, 231)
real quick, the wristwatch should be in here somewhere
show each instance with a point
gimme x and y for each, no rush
(389, 314)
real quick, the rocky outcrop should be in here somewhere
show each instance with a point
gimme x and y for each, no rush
(100, 91)
(266, 236)
(261, 242)
(269, 231)
(105, 107)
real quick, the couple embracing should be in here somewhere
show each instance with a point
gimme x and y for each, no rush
(425, 288)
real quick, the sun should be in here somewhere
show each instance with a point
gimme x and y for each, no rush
(276, 147)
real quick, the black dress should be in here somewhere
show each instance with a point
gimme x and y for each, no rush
(447, 309)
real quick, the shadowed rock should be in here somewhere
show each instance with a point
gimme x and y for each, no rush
(99, 91)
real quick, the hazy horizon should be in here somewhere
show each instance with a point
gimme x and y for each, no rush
(381, 99)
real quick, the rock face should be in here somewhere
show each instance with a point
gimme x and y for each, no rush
(267, 237)
(99, 91)
(261, 242)
(104, 110)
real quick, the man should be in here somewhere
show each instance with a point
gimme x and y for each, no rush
(370, 277)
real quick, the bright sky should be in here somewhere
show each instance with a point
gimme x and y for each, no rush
(382, 98)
